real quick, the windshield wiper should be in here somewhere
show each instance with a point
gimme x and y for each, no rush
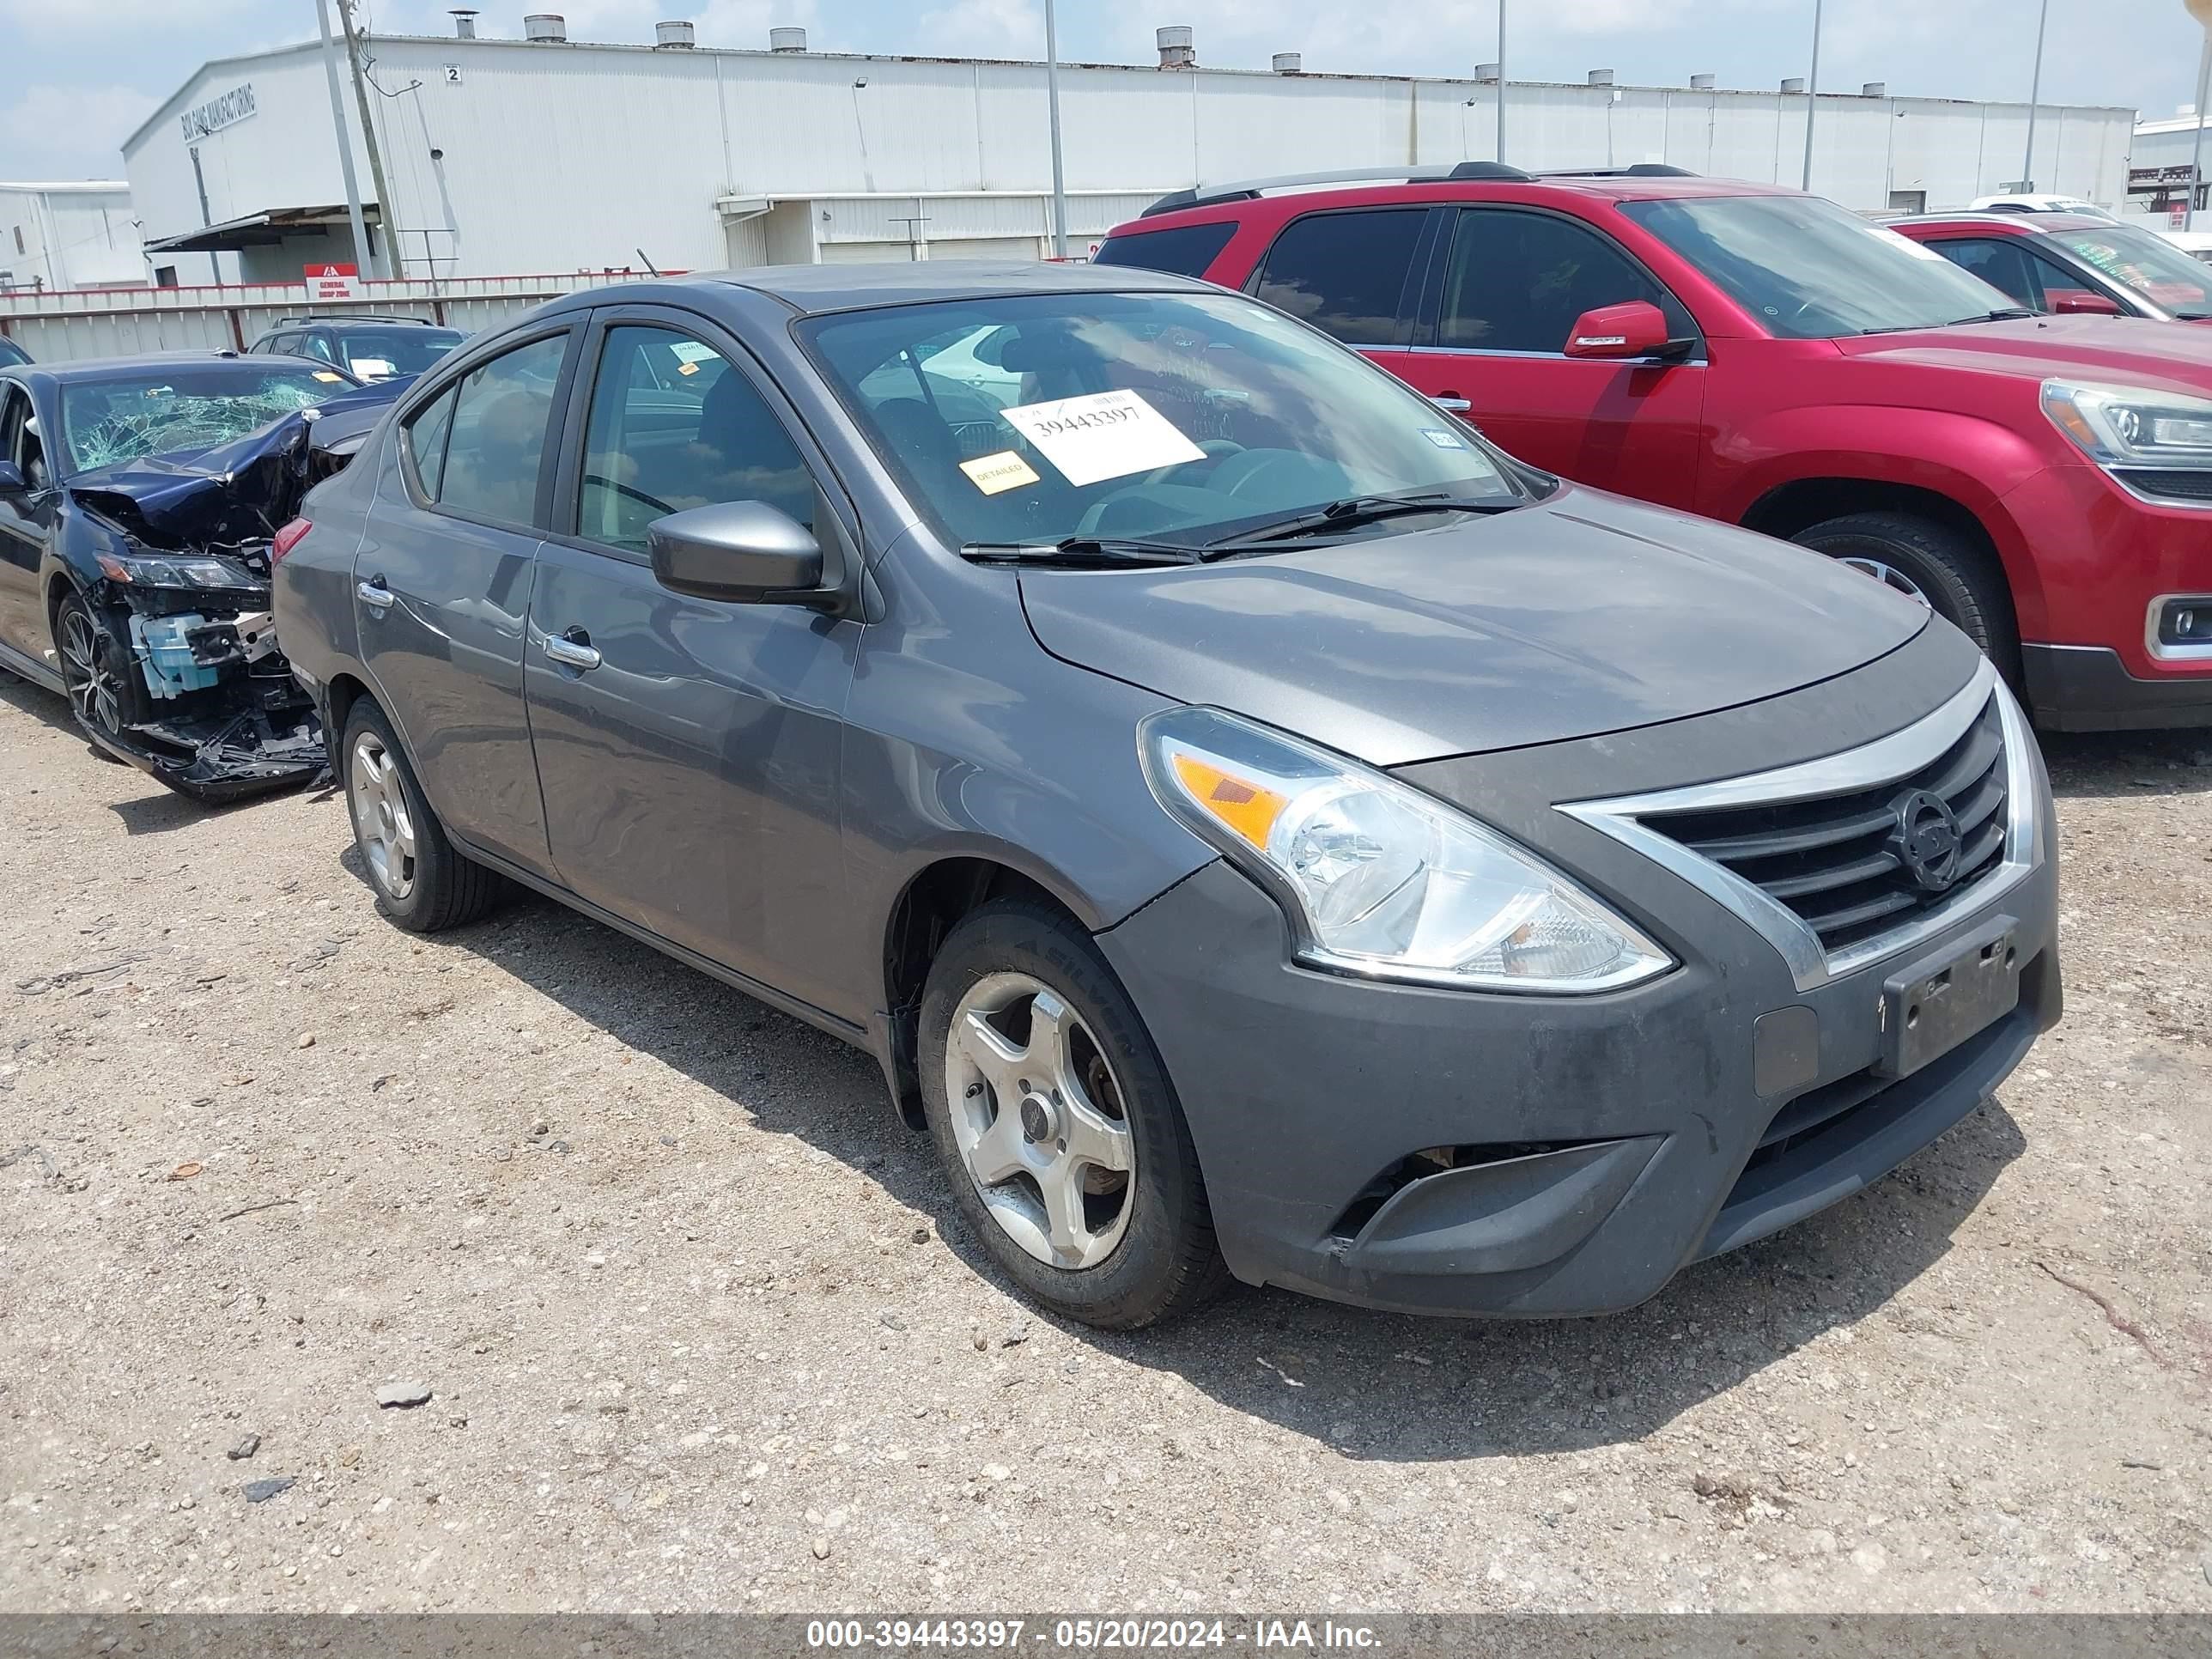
(1083, 552)
(1355, 510)
(2002, 314)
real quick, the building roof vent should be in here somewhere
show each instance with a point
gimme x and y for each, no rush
(1875, 89)
(465, 22)
(1177, 51)
(549, 27)
(674, 36)
(1794, 83)
(786, 40)
(1601, 77)
(1487, 73)
(1288, 63)
(1701, 82)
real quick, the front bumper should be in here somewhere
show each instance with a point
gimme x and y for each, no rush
(2089, 688)
(1600, 1144)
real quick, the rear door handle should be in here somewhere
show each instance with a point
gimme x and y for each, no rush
(1451, 405)
(375, 595)
(572, 650)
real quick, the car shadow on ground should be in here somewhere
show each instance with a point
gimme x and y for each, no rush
(2104, 764)
(1370, 1386)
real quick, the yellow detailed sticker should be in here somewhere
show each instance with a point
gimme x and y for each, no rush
(325, 374)
(687, 368)
(1004, 470)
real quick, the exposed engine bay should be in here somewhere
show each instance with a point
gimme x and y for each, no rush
(183, 675)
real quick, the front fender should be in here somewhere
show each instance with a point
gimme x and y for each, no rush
(1972, 461)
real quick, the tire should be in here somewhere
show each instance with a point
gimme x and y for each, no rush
(1144, 1250)
(99, 675)
(1954, 576)
(420, 882)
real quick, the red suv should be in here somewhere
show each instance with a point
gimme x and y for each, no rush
(1766, 358)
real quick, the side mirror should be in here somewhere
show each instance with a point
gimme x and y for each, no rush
(1636, 328)
(12, 481)
(738, 552)
(2081, 302)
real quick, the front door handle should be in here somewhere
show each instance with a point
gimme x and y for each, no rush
(375, 595)
(1452, 403)
(572, 650)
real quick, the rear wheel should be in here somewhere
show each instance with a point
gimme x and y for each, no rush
(1933, 565)
(420, 881)
(1066, 1148)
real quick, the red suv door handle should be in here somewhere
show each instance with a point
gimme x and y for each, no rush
(1452, 402)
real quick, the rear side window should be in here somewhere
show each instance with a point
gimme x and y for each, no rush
(426, 443)
(1186, 251)
(496, 448)
(1516, 282)
(1347, 273)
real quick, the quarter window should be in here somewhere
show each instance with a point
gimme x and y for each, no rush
(1186, 251)
(1347, 273)
(426, 443)
(497, 444)
(1516, 282)
(674, 425)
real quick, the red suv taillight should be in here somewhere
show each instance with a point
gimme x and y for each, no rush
(287, 538)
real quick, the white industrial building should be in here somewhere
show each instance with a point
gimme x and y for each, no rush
(546, 155)
(2159, 166)
(79, 233)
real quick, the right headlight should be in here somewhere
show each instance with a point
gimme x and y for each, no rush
(1382, 880)
(2119, 426)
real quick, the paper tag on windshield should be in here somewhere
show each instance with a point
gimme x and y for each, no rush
(1107, 435)
(1004, 470)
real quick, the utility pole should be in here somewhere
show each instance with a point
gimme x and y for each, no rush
(1812, 94)
(2034, 97)
(385, 211)
(1501, 80)
(345, 144)
(2197, 149)
(1051, 105)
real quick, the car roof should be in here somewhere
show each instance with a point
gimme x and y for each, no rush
(2019, 224)
(92, 369)
(1218, 203)
(812, 290)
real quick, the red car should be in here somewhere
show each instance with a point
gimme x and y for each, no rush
(1765, 358)
(2070, 263)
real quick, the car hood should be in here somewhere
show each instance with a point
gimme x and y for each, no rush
(238, 491)
(2130, 350)
(1574, 616)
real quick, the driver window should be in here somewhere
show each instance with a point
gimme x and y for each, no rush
(1516, 282)
(674, 425)
(19, 438)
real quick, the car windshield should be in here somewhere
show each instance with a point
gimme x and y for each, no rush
(2150, 264)
(182, 407)
(378, 354)
(1182, 417)
(1808, 270)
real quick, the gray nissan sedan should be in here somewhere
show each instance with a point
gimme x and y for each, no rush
(1260, 829)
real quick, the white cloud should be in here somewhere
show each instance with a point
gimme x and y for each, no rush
(111, 19)
(70, 132)
(984, 28)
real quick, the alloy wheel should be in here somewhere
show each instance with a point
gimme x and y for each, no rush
(381, 817)
(1040, 1121)
(1890, 577)
(85, 674)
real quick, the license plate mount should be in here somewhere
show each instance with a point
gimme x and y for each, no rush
(1930, 1007)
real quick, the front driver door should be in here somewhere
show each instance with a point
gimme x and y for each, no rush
(442, 590)
(1506, 295)
(688, 750)
(26, 520)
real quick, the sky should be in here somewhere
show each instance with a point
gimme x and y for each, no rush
(81, 74)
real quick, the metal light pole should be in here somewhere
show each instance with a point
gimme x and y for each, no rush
(386, 212)
(2034, 97)
(2202, 11)
(1501, 80)
(1052, 102)
(345, 144)
(1812, 94)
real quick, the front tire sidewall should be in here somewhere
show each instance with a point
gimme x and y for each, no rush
(411, 911)
(1164, 1260)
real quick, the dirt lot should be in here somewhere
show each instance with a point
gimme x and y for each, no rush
(698, 1330)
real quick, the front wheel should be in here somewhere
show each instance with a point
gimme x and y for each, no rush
(98, 673)
(1933, 565)
(1058, 1127)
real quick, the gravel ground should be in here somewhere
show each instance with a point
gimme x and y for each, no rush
(696, 1328)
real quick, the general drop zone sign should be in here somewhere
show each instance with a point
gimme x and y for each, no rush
(333, 282)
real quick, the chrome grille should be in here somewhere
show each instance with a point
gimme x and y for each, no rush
(1837, 862)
